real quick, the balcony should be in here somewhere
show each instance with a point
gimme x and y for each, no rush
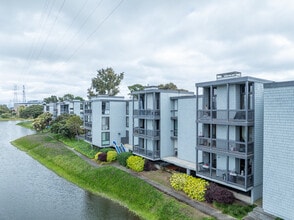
(141, 132)
(224, 146)
(153, 155)
(227, 177)
(88, 125)
(174, 114)
(147, 114)
(174, 134)
(234, 116)
(88, 111)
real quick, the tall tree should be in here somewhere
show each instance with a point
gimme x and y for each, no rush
(135, 87)
(52, 98)
(105, 83)
(32, 111)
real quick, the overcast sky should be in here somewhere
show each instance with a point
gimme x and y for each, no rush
(54, 47)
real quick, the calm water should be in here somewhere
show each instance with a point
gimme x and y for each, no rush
(30, 191)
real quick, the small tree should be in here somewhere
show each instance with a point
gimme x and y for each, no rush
(73, 124)
(105, 83)
(41, 122)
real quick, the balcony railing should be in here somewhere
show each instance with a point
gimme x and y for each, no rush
(146, 113)
(174, 113)
(155, 155)
(88, 124)
(174, 133)
(228, 146)
(88, 111)
(226, 115)
(146, 132)
(232, 178)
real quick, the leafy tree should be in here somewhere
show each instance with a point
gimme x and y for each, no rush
(32, 111)
(41, 122)
(78, 98)
(4, 109)
(168, 86)
(105, 83)
(50, 99)
(68, 97)
(67, 125)
(135, 87)
(73, 124)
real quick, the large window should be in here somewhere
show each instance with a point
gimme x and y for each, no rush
(105, 108)
(105, 138)
(105, 123)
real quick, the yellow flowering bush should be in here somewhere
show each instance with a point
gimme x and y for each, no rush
(193, 187)
(178, 181)
(111, 156)
(136, 163)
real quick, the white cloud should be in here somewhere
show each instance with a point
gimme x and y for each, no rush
(152, 42)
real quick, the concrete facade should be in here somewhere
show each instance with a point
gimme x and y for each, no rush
(278, 163)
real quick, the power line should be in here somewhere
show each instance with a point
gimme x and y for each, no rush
(96, 29)
(60, 8)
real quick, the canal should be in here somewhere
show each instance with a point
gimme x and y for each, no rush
(28, 190)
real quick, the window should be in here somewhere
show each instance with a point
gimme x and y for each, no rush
(127, 108)
(127, 121)
(105, 108)
(105, 123)
(105, 138)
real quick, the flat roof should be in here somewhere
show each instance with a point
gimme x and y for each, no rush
(279, 84)
(232, 80)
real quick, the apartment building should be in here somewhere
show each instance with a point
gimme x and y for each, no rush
(66, 107)
(152, 122)
(229, 144)
(105, 120)
(278, 163)
(182, 132)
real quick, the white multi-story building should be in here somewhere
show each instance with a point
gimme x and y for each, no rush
(105, 120)
(278, 162)
(229, 148)
(152, 122)
(66, 107)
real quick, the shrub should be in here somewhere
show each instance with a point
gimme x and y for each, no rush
(97, 155)
(122, 158)
(218, 194)
(111, 156)
(106, 149)
(102, 156)
(178, 181)
(195, 188)
(136, 163)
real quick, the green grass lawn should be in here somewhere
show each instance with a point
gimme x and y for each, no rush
(108, 181)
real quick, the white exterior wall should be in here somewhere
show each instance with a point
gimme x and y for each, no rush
(187, 129)
(96, 122)
(278, 163)
(117, 121)
(166, 147)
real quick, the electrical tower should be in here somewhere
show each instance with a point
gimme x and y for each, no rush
(24, 94)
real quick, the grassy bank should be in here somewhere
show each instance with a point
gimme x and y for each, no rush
(26, 124)
(107, 181)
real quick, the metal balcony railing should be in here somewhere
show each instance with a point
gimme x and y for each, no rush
(146, 113)
(226, 115)
(146, 153)
(146, 132)
(227, 146)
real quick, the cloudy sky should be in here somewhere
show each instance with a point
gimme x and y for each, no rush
(54, 47)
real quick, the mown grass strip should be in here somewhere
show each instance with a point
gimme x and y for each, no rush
(108, 181)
